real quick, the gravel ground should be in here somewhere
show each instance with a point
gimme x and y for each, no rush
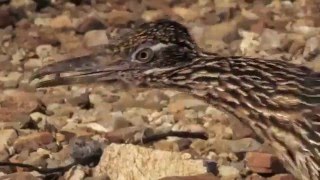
(39, 127)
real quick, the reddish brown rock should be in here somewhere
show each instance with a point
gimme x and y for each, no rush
(263, 163)
(258, 27)
(20, 101)
(16, 107)
(32, 141)
(20, 176)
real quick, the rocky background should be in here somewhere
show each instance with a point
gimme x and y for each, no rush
(39, 126)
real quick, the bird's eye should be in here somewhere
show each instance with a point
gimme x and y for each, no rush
(144, 55)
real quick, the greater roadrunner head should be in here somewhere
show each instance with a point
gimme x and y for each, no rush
(278, 100)
(151, 48)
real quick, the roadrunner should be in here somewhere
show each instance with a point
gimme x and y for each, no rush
(279, 101)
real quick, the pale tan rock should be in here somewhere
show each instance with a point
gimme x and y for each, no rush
(18, 56)
(132, 162)
(28, 4)
(182, 101)
(60, 22)
(44, 50)
(12, 79)
(250, 42)
(249, 14)
(152, 15)
(75, 173)
(95, 38)
(119, 17)
(282, 177)
(186, 13)
(8, 136)
(271, 39)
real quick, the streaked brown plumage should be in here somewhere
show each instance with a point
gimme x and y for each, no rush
(279, 101)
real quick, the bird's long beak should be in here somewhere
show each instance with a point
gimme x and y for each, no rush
(85, 69)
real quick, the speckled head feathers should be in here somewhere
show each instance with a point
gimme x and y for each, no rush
(163, 31)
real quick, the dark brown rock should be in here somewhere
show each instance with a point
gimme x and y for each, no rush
(90, 23)
(6, 17)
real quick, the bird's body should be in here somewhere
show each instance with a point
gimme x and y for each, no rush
(279, 101)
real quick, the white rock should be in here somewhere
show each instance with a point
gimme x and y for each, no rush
(229, 172)
(60, 22)
(250, 42)
(39, 21)
(126, 161)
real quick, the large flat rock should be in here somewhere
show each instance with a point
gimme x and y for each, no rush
(131, 162)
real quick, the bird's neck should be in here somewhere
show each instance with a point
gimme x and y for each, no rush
(258, 92)
(273, 98)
